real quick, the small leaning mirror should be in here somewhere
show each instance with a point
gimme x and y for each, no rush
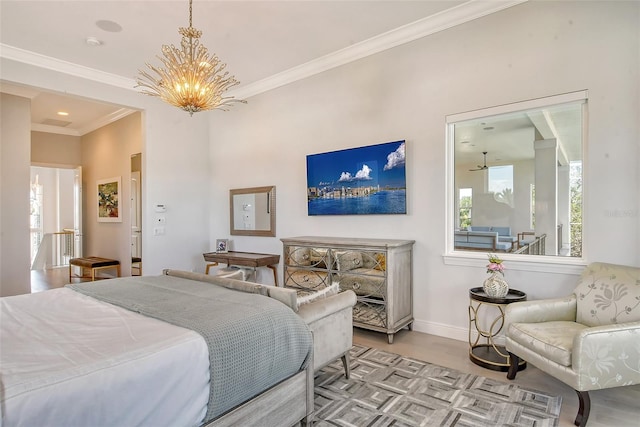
(253, 211)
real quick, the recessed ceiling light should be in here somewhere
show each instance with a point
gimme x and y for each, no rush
(92, 41)
(63, 113)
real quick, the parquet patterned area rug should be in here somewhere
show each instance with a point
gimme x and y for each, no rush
(387, 389)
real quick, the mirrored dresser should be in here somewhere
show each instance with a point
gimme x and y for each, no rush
(379, 271)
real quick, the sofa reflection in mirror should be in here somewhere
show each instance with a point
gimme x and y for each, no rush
(485, 238)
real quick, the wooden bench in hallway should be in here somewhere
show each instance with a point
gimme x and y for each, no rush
(94, 264)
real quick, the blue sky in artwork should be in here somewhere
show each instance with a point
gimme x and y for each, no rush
(382, 164)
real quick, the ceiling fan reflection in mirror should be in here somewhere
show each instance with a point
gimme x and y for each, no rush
(483, 167)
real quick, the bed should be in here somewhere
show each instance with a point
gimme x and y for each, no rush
(107, 354)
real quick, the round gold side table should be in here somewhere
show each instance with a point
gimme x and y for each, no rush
(483, 351)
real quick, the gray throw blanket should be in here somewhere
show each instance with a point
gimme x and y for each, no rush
(254, 341)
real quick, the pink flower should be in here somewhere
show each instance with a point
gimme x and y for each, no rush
(495, 267)
(495, 264)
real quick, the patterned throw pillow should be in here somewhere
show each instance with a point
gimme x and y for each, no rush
(608, 294)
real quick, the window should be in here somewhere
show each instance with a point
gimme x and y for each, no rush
(35, 217)
(532, 203)
(575, 223)
(522, 163)
(465, 203)
(501, 184)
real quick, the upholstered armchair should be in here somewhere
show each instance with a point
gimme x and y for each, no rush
(589, 340)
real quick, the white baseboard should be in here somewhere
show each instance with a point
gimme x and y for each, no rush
(441, 330)
(448, 331)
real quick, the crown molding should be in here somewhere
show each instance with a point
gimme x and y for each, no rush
(38, 127)
(97, 124)
(105, 120)
(54, 64)
(449, 18)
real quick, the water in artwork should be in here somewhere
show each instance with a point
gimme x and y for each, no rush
(381, 202)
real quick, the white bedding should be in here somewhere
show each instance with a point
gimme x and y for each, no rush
(70, 360)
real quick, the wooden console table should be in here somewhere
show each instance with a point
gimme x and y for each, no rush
(245, 259)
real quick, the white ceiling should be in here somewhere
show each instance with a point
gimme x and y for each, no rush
(264, 43)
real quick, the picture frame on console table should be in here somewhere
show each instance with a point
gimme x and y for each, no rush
(222, 246)
(358, 181)
(109, 199)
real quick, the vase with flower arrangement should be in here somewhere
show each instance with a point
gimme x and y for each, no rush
(495, 285)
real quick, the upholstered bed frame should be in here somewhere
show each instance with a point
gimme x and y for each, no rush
(289, 402)
(285, 404)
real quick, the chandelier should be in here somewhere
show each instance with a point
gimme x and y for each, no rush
(191, 79)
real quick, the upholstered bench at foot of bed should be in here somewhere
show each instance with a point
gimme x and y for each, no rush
(94, 264)
(331, 322)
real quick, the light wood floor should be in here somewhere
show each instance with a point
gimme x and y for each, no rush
(42, 280)
(618, 407)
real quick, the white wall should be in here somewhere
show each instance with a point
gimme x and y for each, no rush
(528, 51)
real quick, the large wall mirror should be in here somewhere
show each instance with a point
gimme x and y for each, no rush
(517, 177)
(253, 211)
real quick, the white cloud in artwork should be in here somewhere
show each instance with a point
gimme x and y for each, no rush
(345, 176)
(362, 175)
(395, 159)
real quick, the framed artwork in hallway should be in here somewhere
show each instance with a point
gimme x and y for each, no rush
(109, 199)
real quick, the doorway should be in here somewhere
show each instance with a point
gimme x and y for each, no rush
(136, 214)
(55, 220)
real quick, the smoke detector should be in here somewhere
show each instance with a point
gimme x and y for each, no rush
(92, 41)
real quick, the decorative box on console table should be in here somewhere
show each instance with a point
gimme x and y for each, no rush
(379, 271)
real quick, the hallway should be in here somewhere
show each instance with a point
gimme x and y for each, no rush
(43, 280)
